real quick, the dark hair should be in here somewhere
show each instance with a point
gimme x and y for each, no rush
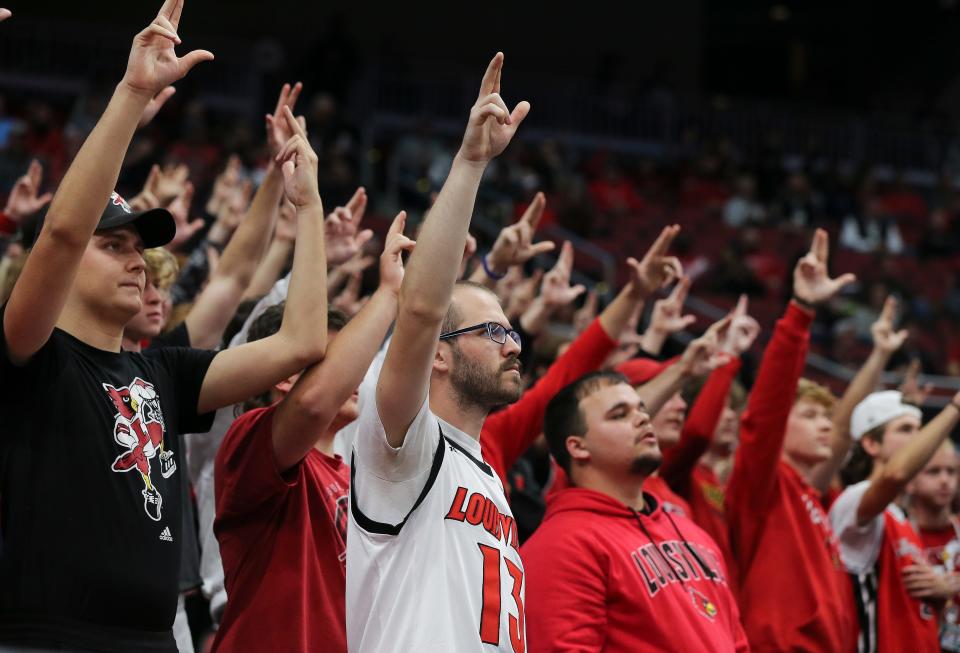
(564, 418)
(453, 316)
(860, 464)
(239, 319)
(267, 324)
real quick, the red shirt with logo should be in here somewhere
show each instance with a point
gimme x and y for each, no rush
(875, 554)
(603, 577)
(793, 590)
(283, 543)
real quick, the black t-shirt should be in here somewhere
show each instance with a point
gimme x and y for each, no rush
(179, 336)
(91, 489)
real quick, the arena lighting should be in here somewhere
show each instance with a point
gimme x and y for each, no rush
(779, 13)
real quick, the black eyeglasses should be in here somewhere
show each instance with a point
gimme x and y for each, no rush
(496, 332)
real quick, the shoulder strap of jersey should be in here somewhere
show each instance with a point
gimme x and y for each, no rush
(372, 526)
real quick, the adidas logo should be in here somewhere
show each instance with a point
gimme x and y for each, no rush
(165, 535)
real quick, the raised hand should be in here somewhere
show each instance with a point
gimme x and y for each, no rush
(391, 261)
(225, 184)
(586, 313)
(743, 330)
(341, 229)
(912, 391)
(180, 210)
(514, 245)
(25, 198)
(703, 355)
(655, 270)
(884, 337)
(168, 183)
(491, 125)
(299, 164)
(812, 284)
(153, 106)
(278, 131)
(556, 289)
(153, 65)
(523, 294)
(667, 316)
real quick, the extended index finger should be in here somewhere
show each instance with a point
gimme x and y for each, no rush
(889, 312)
(398, 224)
(491, 78)
(679, 292)
(535, 211)
(357, 204)
(294, 124)
(664, 240)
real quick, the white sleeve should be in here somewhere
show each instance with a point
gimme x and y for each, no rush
(344, 439)
(859, 545)
(388, 480)
(276, 295)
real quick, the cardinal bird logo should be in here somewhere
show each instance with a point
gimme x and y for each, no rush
(138, 427)
(704, 606)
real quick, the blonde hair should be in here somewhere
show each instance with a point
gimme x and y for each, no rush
(815, 393)
(162, 267)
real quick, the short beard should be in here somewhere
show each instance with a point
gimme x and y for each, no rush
(646, 465)
(476, 387)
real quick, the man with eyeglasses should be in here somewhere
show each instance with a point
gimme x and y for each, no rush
(432, 551)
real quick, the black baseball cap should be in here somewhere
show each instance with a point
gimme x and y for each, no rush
(155, 226)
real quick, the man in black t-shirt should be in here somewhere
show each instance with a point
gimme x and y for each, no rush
(90, 473)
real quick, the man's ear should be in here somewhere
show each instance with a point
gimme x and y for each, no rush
(577, 449)
(871, 446)
(443, 357)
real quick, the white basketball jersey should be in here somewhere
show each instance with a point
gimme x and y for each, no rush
(432, 548)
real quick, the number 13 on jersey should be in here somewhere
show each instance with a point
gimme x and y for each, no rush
(490, 614)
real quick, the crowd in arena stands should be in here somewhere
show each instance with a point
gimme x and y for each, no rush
(279, 425)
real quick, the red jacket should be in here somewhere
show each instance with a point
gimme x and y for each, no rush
(793, 590)
(603, 577)
(508, 433)
(707, 512)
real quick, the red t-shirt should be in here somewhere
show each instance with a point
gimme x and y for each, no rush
(283, 543)
(793, 590)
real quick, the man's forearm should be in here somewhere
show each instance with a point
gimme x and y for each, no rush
(432, 270)
(910, 459)
(305, 313)
(616, 316)
(246, 248)
(656, 392)
(269, 269)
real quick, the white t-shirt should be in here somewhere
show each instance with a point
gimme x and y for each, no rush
(859, 545)
(449, 578)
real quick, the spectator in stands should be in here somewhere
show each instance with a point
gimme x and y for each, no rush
(939, 238)
(930, 506)
(798, 205)
(773, 509)
(877, 542)
(871, 230)
(743, 209)
(582, 564)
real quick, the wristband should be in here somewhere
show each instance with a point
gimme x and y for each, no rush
(805, 304)
(490, 273)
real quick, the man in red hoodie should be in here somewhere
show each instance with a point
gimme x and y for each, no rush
(609, 570)
(792, 588)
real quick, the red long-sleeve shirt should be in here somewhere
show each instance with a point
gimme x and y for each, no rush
(508, 433)
(793, 591)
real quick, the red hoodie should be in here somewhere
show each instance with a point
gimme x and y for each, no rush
(603, 577)
(793, 590)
